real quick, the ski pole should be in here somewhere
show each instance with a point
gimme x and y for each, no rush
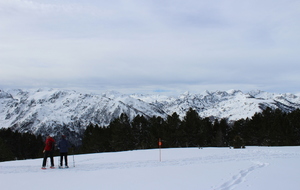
(73, 159)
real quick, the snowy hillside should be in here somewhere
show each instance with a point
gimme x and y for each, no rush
(69, 112)
(232, 104)
(257, 168)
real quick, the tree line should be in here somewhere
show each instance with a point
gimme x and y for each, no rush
(268, 128)
(18, 146)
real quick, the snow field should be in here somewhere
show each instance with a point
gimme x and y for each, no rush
(181, 168)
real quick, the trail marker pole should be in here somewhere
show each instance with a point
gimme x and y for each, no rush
(159, 146)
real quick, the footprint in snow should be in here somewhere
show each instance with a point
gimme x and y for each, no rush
(240, 177)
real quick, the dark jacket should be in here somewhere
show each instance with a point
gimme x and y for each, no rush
(63, 145)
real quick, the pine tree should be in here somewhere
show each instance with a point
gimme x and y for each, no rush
(141, 132)
(121, 134)
(173, 131)
(191, 125)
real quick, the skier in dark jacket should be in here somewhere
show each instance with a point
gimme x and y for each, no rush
(63, 147)
(48, 151)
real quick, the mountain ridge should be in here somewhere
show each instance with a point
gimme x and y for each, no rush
(56, 112)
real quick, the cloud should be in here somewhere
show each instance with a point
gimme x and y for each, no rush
(150, 46)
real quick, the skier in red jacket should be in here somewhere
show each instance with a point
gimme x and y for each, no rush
(48, 151)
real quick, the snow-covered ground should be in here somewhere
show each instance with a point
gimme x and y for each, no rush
(256, 168)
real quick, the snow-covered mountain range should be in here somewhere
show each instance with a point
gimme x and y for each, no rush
(69, 112)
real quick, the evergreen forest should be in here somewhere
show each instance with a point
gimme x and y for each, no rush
(18, 146)
(268, 128)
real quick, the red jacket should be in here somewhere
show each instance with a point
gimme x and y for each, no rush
(50, 142)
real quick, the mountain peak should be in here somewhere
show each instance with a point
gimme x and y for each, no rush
(112, 94)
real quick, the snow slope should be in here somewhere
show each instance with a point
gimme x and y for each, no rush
(257, 168)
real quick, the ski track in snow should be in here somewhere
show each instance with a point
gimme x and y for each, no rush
(240, 177)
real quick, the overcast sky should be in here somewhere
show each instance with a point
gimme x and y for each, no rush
(151, 46)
